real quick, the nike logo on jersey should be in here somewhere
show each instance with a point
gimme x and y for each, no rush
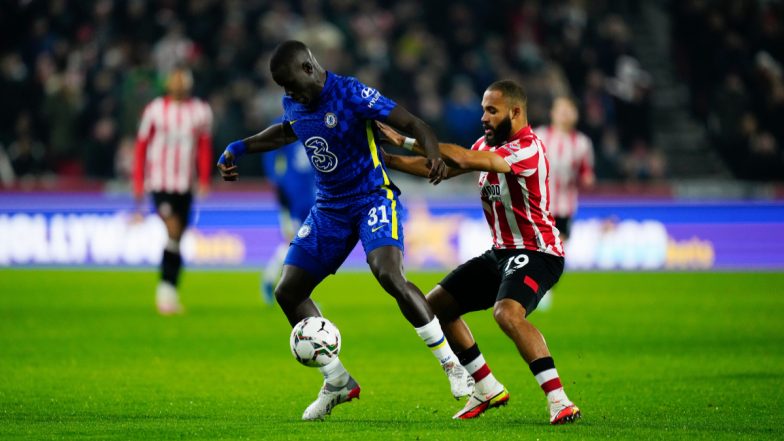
(376, 228)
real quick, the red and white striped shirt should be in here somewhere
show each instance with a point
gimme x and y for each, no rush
(516, 204)
(173, 137)
(571, 158)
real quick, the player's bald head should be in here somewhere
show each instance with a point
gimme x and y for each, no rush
(295, 69)
(512, 91)
(288, 54)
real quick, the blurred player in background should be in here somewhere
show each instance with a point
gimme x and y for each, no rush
(527, 255)
(288, 168)
(334, 117)
(570, 153)
(174, 139)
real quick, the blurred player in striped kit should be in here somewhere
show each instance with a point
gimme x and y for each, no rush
(288, 168)
(174, 140)
(570, 153)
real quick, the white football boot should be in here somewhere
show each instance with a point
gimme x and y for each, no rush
(460, 381)
(564, 411)
(480, 403)
(330, 396)
(167, 300)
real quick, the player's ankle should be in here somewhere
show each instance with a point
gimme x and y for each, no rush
(488, 386)
(558, 397)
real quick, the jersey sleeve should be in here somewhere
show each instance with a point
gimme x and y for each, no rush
(523, 160)
(146, 125)
(206, 119)
(143, 136)
(367, 102)
(586, 158)
(204, 146)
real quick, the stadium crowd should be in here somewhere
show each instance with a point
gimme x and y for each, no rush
(75, 75)
(731, 53)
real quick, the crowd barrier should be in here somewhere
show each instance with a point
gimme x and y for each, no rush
(241, 230)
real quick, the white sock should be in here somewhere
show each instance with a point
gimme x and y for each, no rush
(486, 384)
(275, 264)
(550, 382)
(334, 373)
(172, 246)
(434, 338)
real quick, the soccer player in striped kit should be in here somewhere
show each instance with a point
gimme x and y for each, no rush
(570, 153)
(174, 139)
(526, 258)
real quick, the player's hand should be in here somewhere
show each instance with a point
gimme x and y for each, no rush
(227, 167)
(203, 191)
(389, 135)
(438, 170)
(384, 155)
(137, 216)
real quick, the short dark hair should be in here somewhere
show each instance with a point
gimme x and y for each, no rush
(511, 90)
(285, 53)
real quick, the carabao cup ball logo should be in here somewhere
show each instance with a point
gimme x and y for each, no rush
(322, 159)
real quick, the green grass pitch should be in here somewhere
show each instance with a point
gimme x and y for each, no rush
(646, 356)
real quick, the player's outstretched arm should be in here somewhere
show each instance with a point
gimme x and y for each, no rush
(475, 160)
(401, 119)
(271, 138)
(454, 155)
(415, 165)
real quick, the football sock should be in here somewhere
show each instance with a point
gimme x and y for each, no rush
(274, 265)
(171, 262)
(547, 377)
(334, 373)
(473, 361)
(434, 338)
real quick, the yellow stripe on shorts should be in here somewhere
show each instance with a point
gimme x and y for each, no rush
(377, 163)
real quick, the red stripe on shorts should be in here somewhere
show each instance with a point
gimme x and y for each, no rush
(531, 283)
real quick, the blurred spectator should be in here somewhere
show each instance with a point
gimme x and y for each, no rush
(83, 70)
(100, 149)
(26, 152)
(462, 113)
(731, 54)
(630, 86)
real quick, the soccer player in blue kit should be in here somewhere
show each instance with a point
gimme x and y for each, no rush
(333, 116)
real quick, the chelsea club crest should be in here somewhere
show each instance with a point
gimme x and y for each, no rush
(330, 120)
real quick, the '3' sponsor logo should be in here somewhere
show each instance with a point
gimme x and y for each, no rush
(322, 159)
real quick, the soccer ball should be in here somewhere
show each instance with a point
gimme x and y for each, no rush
(315, 341)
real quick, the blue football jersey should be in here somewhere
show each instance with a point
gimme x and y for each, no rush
(338, 135)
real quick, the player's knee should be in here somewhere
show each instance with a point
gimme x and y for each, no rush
(443, 305)
(284, 292)
(506, 313)
(392, 281)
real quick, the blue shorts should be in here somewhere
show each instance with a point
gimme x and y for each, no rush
(332, 229)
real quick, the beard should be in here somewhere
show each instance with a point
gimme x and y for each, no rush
(500, 133)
